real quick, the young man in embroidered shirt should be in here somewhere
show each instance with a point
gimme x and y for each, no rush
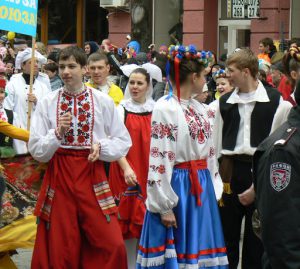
(73, 129)
(99, 68)
(244, 118)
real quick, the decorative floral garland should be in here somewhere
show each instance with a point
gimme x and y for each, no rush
(221, 73)
(189, 52)
(179, 52)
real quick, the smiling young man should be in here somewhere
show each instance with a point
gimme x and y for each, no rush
(244, 118)
(73, 129)
(99, 68)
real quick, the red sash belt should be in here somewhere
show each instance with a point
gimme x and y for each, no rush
(194, 166)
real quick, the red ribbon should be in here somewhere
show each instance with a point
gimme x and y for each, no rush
(194, 166)
(176, 65)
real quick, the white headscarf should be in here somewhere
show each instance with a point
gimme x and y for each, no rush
(150, 87)
(25, 55)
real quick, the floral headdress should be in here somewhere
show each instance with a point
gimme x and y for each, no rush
(179, 52)
(221, 73)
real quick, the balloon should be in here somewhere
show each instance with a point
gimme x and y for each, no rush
(11, 35)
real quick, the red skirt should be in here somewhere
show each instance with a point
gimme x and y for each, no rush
(132, 207)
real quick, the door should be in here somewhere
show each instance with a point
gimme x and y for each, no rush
(233, 34)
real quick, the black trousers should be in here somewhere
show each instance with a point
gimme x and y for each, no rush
(232, 214)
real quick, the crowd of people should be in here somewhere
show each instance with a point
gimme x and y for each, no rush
(153, 159)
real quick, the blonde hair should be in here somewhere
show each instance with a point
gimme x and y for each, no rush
(244, 58)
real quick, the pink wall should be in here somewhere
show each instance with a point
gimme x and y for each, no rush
(200, 21)
(119, 27)
(273, 13)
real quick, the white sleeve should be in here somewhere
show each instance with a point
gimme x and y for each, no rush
(42, 141)
(217, 131)
(213, 167)
(118, 141)
(9, 101)
(281, 114)
(161, 198)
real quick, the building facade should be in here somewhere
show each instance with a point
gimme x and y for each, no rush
(216, 25)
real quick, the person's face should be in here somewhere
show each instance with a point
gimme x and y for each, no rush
(223, 85)
(71, 73)
(87, 49)
(138, 87)
(201, 97)
(50, 73)
(2, 95)
(198, 81)
(236, 76)
(295, 75)
(9, 68)
(262, 48)
(98, 71)
(26, 66)
(276, 76)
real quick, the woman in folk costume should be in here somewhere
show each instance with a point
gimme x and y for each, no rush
(128, 177)
(182, 227)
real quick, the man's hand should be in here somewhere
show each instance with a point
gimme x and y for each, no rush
(247, 197)
(32, 98)
(169, 220)
(130, 177)
(95, 153)
(64, 123)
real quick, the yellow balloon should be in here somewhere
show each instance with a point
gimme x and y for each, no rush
(217, 95)
(11, 35)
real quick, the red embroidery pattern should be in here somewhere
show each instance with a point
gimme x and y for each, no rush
(160, 169)
(160, 131)
(82, 109)
(211, 114)
(211, 152)
(155, 153)
(199, 128)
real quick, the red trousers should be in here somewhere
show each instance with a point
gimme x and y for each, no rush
(79, 235)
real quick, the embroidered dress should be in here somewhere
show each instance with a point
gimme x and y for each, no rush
(182, 177)
(132, 199)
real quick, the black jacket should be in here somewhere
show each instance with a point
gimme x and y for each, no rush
(276, 171)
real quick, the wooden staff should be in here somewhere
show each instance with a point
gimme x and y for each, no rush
(31, 82)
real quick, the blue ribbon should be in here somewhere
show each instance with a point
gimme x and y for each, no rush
(168, 80)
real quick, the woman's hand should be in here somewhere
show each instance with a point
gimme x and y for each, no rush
(130, 177)
(168, 219)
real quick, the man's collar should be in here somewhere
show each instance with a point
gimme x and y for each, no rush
(259, 96)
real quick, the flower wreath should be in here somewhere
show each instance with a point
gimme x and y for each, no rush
(221, 73)
(189, 52)
(179, 52)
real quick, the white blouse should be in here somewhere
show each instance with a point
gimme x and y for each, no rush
(135, 107)
(95, 120)
(179, 133)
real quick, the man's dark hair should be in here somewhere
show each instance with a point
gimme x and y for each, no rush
(76, 52)
(53, 67)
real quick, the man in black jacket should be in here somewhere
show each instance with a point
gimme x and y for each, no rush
(244, 118)
(276, 172)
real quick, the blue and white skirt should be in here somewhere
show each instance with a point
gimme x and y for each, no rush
(197, 242)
